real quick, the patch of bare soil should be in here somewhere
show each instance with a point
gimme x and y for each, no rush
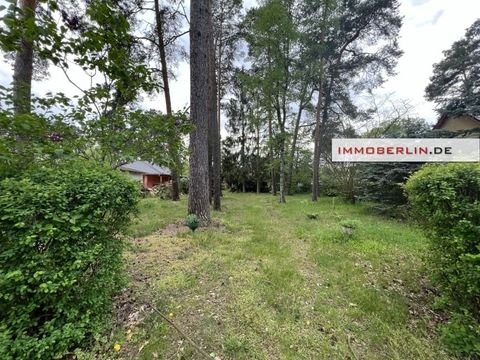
(150, 258)
(420, 307)
(154, 253)
(129, 310)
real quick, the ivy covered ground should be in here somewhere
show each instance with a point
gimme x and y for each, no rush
(273, 281)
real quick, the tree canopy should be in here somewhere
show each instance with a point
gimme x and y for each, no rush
(455, 83)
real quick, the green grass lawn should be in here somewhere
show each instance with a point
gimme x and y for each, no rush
(267, 282)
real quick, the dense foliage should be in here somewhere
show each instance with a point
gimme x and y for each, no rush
(382, 183)
(60, 255)
(446, 199)
(98, 41)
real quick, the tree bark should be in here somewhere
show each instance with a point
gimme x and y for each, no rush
(257, 164)
(219, 82)
(211, 126)
(327, 89)
(292, 150)
(175, 169)
(281, 149)
(318, 120)
(282, 172)
(200, 32)
(281, 90)
(217, 173)
(219, 59)
(210, 153)
(214, 133)
(316, 145)
(216, 148)
(294, 141)
(270, 153)
(23, 68)
(242, 144)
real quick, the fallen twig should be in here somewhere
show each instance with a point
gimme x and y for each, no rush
(185, 336)
(350, 347)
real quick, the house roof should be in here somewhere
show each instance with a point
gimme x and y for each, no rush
(144, 167)
(445, 117)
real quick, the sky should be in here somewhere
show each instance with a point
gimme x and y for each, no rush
(429, 27)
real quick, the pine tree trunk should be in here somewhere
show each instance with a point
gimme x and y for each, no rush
(270, 154)
(214, 133)
(318, 115)
(242, 150)
(282, 119)
(219, 112)
(281, 148)
(316, 145)
(200, 32)
(175, 169)
(216, 148)
(257, 165)
(210, 154)
(294, 146)
(270, 135)
(282, 172)
(211, 127)
(23, 68)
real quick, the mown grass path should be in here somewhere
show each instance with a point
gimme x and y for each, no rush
(269, 283)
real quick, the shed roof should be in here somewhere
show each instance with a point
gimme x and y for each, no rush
(441, 121)
(145, 167)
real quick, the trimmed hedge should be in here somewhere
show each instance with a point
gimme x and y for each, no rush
(446, 200)
(60, 256)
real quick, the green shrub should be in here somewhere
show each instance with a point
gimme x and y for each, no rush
(184, 185)
(446, 200)
(382, 183)
(60, 256)
(192, 222)
(163, 191)
(328, 186)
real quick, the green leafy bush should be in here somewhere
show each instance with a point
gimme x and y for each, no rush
(42, 139)
(192, 222)
(446, 200)
(338, 179)
(163, 191)
(328, 185)
(184, 185)
(60, 256)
